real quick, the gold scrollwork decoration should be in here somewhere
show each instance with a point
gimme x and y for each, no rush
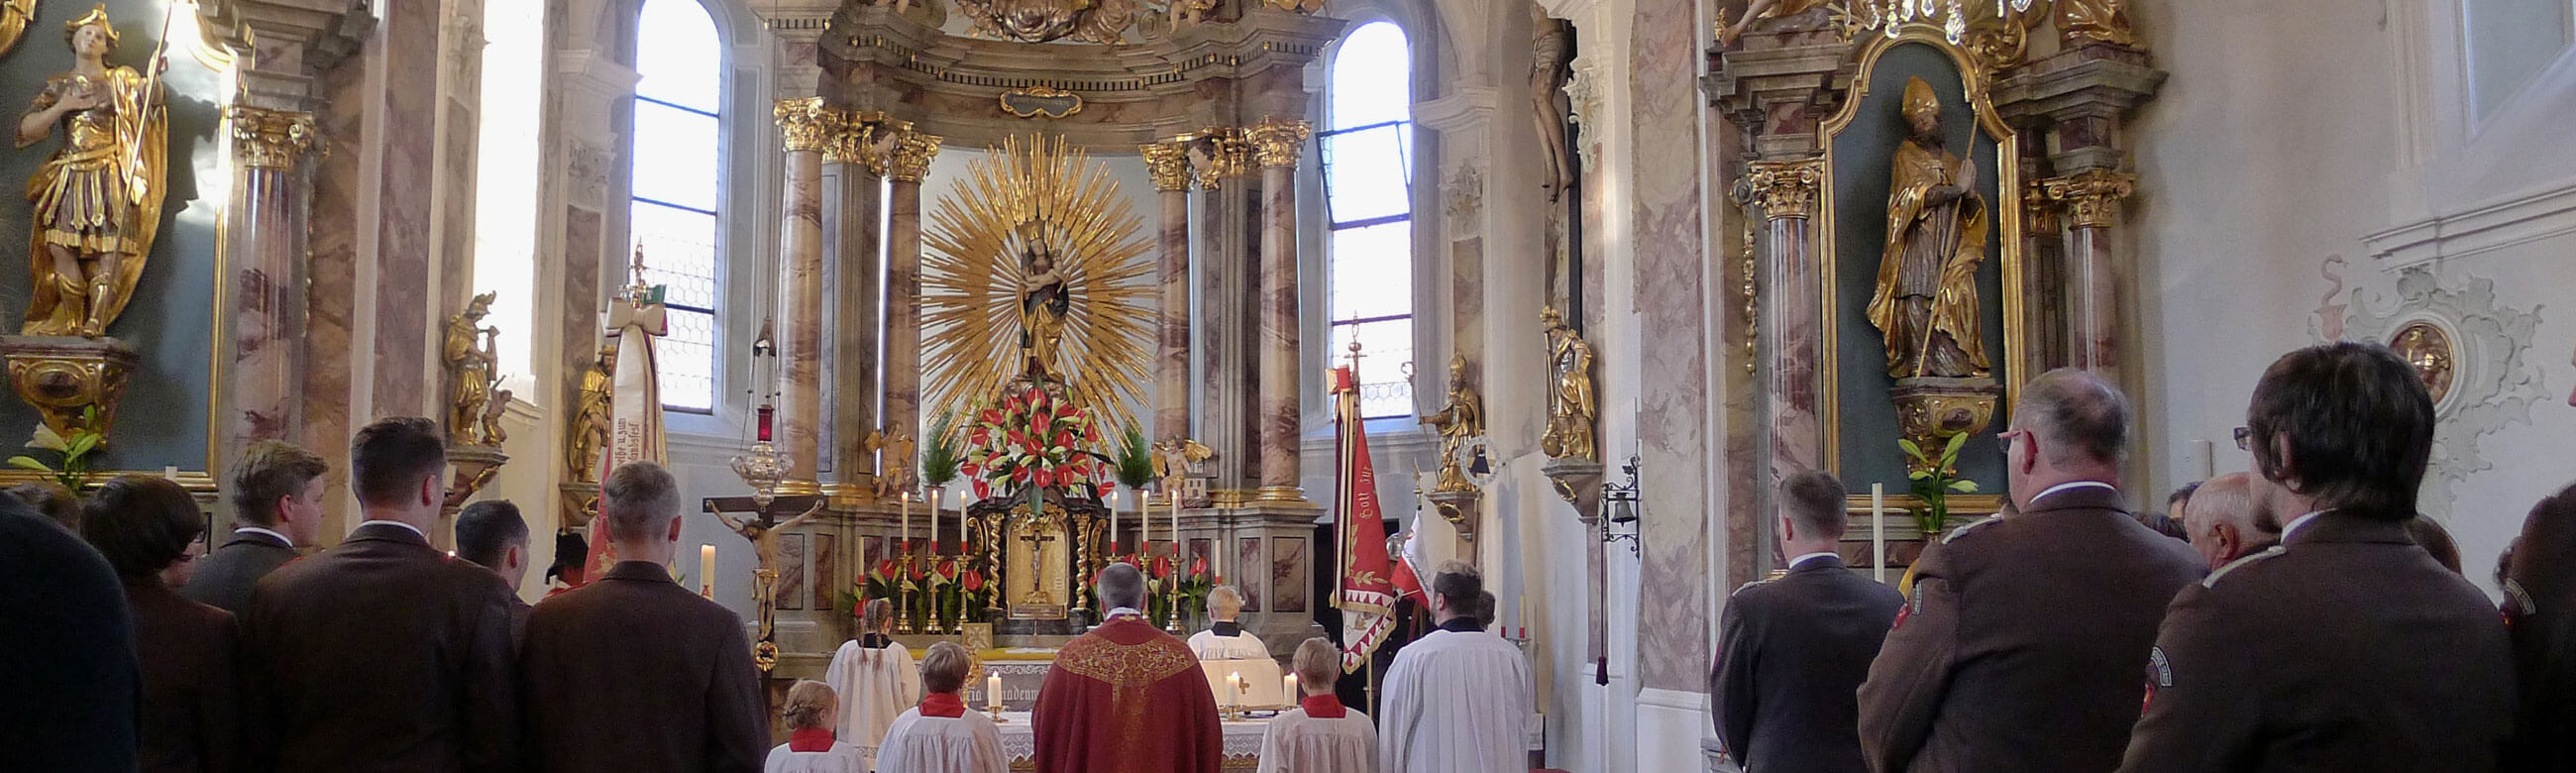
(909, 158)
(804, 123)
(2091, 197)
(1783, 189)
(272, 139)
(1168, 163)
(1040, 101)
(850, 138)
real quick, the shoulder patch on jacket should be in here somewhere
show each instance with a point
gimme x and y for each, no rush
(2212, 580)
(1749, 586)
(1954, 533)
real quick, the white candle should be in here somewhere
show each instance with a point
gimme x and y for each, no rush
(707, 571)
(1176, 528)
(993, 689)
(1234, 688)
(1878, 532)
(171, 472)
(1288, 687)
(906, 538)
(1113, 521)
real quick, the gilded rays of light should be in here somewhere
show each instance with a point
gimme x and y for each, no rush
(972, 277)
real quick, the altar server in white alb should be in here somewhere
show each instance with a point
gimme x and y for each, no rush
(1225, 640)
(940, 735)
(1457, 699)
(1320, 735)
(875, 678)
(810, 747)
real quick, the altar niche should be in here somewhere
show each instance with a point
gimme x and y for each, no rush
(1045, 560)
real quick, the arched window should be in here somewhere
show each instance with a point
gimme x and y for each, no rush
(505, 196)
(678, 107)
(1368, 197)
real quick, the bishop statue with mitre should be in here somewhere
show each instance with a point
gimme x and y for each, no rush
(1127, 696)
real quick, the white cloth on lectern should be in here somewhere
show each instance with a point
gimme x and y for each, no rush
(1456, 702)
(1296, 743)
(875, 685)
(1242, 646)
(841, 758)
(963, 744)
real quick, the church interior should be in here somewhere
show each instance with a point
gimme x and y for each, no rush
(957, 302)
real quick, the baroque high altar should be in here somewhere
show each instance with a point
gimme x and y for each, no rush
(1036, 284)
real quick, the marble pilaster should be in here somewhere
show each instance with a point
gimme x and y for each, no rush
(803, 124)
(1277, 144)
(1229, 373)
(403, 54)
(907, 163)
(2091, 199)
(1169, 166)
(2083, 94)
(854, 198)
(268, 265)
(1785, 193)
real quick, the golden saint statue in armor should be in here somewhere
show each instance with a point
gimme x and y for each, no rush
(1926, 303)
(469, 350)
(1571, 405)
(98, 199)
(590, 417)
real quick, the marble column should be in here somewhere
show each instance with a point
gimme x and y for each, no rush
(1169, 165)
(907, 162)
(1227, 420)
(1785, 193)
(2091, 199)
(855, 197)
(1276, 146)
(804, 125)
(267, 279)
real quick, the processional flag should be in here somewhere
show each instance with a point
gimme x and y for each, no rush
(1366, 593)
(635, 400)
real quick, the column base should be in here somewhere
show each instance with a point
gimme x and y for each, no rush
(1289, 495)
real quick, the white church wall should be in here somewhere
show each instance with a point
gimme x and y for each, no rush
(2353, 153)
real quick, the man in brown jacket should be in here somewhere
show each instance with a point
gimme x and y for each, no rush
(633, 673)
(2022, 643)
(382, 653)
(2347, 647)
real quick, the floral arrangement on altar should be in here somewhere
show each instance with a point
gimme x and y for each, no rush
(947, 588)
(1032, 441)
(1166, 583)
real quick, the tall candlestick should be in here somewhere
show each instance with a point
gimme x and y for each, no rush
(707, 571)
(906, 537)
(1878, 532)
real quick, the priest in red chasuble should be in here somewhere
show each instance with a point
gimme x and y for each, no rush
(1127, 696)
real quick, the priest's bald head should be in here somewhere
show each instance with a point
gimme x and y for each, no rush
(1121, 585)
(1457, 589)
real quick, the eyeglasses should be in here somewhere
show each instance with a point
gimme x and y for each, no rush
(2244, 438)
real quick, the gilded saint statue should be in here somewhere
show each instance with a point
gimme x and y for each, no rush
(1460, 421)
(1570, 405)
(1926, 302)
(469, 350)
(1043, 299)
(590, 417)
(98, 200)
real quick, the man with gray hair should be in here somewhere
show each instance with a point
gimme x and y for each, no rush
(1126, 696)
(1792, 650)
(2021, 645)
(633, 672)
(2231, 518)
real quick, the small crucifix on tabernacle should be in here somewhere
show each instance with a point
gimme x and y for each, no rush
(1037, 561)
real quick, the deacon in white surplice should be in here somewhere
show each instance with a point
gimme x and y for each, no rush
(1225, 640)
(940, 735)
(1320, 735)
(1457, 699)
(875, 678)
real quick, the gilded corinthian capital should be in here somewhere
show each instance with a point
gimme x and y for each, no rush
(272, 139)
(1782, 189)
(2090, 196)
(1168, 163)
(1277, 142)
(851, 139)
(909, 159)
(804, 122)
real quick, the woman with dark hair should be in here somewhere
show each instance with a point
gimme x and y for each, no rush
(145, 526)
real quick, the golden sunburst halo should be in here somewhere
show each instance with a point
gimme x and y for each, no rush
(972, 277)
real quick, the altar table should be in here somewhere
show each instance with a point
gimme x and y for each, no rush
(1242, 742)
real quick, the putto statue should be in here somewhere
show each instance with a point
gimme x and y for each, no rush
(97, 201)
(1926, 303)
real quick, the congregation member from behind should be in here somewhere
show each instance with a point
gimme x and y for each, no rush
(381, 653)
(66, 651)
(51, 499)
(1457, 700)
(494, 536)
(2540, 609)
(875, 678)
(1791, 652)
(277, 507)
(1320, 735)
(1126, 696)
(940, 735)
(1225, 639)
(191, 717)
(2020, 645)
(810, 747)
(2435, 540)
(2350, 648)
(633, 673)
(2230, 518)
